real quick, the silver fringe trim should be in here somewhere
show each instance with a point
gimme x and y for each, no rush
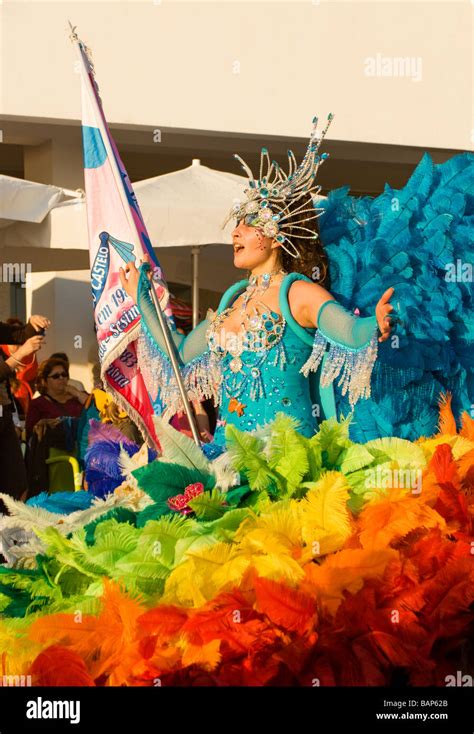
(201, 376)
(356, 365)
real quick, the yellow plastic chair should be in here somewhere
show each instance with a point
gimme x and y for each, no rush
(65, 474)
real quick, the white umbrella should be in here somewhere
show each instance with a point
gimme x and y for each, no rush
(28, 201)
(187, 207)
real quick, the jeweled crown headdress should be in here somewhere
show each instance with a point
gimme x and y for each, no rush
(269, 198)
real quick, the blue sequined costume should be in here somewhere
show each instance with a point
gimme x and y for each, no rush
(282, 367)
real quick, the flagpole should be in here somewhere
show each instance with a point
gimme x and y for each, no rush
(162, 321)
(174, 362)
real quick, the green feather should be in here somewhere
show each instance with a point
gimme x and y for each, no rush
(153, 512)
(141, 570)
(162, 480)
(121, 514)
(354, 458)
(113, 541)
(287, 452)
(209, 505)
(179, 448)
(333, 438)
(163, 534)
(246, 452)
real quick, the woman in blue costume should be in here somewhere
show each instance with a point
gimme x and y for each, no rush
(278, 339)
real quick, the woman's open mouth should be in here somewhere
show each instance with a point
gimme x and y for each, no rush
(238, 248)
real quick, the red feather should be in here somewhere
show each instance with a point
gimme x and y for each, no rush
(58, 666)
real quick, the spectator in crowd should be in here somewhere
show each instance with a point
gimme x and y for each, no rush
(22, 382)
(75, 383)
(57, 396)
(31, 339)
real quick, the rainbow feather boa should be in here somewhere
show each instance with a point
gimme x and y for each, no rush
(323, 562)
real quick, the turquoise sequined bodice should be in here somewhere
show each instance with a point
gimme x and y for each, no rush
(262, 377)
(272, 365)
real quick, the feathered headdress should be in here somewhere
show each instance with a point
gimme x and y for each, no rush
(269, 197)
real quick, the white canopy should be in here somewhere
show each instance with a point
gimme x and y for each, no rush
(28, 201)
(188, 207)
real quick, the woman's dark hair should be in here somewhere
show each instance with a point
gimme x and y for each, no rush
(313, 261)
(60, 355)
(44, 371)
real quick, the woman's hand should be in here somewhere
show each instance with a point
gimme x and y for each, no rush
(39, 322)
(29, 347)
(130, 276)
(382, 310)
(43, 424)
(75, 393)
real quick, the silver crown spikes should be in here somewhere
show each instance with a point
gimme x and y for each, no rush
(269, 196)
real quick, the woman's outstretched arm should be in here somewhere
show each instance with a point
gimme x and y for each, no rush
(309, 304)
(352, 339)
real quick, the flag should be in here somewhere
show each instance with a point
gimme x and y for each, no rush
(117, 235)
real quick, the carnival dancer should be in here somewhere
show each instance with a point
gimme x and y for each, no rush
(278, 327)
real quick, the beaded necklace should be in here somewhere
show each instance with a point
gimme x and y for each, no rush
(255, 288)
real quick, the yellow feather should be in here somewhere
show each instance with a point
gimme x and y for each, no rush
(17, 652)
(261, 542)
(461, 446)
(184, 586)
(279, 568)
(230, 574)
(203, 574)
(281, 521)
(326, 523)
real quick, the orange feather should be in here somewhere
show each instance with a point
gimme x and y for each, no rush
(286, 607)
(447, 423)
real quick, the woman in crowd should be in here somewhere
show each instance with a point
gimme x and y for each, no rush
(57, 397)
(30, 338)
(21, 384)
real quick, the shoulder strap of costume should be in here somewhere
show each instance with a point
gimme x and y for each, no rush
(231, 293)
(306, 335)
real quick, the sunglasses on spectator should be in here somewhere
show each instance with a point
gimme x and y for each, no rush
(57, 375)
